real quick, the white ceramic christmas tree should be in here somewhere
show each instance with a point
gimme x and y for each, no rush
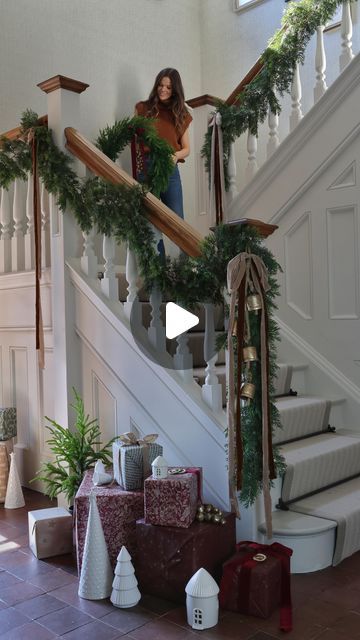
(14, 496)
(125, 592)
(96, 572)
(100, 476)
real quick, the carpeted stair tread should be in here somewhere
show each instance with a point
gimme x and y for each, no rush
(320, 461)
(301, 416)
(283, 379)
(342, 504)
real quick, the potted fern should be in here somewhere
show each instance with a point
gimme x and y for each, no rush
(75, 451)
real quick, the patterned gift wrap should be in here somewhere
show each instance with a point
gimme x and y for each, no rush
(4, 471)
(167, 557)
(7, 423)
(128, 463)
(118, 511)
(50, 532)
(172, 501)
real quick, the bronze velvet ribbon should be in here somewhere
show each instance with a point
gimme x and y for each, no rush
(130, 439)
(247, 562)
(238, 268)
(217, 182)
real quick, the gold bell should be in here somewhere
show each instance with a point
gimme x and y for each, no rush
(253, 302)
(247, 390)
(234, 329)
(249, 354)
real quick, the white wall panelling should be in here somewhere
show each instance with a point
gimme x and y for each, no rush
(19, 367)
(298, 266)
(103, 407)
(343, 262)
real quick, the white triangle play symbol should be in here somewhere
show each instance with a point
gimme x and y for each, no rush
(178, 320)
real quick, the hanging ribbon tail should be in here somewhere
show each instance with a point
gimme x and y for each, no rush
(133, 158)
(37, 234)
(130, 438)
(217, 181)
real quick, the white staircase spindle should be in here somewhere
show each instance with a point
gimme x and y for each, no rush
(273, 141)
(252, 165)
(5, 237)
(233, 191)
(183, 360)
(296, 94)
(132, 306)
(320, 65)
(29, 233)
(156, 330)
(45, 227)
(109, 283)
(211, 389)
(17, 241)
(346, 54)
(89, 263)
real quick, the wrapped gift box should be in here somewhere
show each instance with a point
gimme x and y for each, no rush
(50, 532)
(7, 423)
(173, 501)
(118, 511)
(167, 557)
(132, 463)
(256, 581)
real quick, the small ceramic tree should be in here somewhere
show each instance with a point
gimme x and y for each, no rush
(125, 592)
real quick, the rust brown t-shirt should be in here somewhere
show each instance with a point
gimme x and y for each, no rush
(165, 124)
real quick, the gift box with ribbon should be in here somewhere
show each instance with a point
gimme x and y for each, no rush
(173, 501)
(50, 532)
(256, 580)
(7, 423)
(132, 459)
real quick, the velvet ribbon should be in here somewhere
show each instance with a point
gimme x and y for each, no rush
(217, 181)
(246, 265)
(130, 439)
(247, 563)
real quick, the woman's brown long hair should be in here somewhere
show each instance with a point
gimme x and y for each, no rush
(177, 100)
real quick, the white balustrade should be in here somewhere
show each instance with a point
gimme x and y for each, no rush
(183, 360)
(5, 237)
(109, 283)
(29, 233)
(211, 389)
(17, 240)
(233, 191)
(296, 95)
(45, 227)
(320, 65)
(346, 54)
(273, 141)
(89, 263)
(156, 330)
(252, 165)
(132, 306)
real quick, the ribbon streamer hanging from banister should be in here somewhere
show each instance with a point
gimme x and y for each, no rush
(217, 181)
(241, 269)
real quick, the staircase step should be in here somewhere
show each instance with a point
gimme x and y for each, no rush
(283, 379)
(301, 416)
(341, 504)
(320, 461)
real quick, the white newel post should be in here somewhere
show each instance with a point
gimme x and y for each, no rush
(63, 111)
(18, 239)
(5, 237)
(346, 37)
(211, 389)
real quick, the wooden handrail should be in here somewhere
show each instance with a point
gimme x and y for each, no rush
(174, 227)
(16, 132)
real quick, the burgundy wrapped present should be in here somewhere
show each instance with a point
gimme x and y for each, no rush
(167, 557)
(118, 511)
(256, 580)
(173, 501)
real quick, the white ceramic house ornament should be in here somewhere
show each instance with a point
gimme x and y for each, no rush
(159, 468)
(202, 602)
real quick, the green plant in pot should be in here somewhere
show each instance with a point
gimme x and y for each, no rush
(75, 450)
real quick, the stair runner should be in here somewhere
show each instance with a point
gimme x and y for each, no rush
(317, 459)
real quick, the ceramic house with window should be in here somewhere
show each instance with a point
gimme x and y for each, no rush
(202, 602)
(159, 468)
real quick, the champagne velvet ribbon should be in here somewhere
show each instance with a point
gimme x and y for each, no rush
(217, 181)
(130, 439)
(237, 271)
(30, 139)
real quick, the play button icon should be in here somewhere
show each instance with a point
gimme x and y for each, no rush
(178, 320)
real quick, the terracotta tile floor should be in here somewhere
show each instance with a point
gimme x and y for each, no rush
(39, 600)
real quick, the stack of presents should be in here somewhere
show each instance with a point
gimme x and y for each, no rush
(157, 513)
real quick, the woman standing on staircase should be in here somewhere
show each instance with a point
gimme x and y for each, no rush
(166, 104)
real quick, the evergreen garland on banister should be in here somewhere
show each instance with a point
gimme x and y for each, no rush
(285, 49)
(118, 210)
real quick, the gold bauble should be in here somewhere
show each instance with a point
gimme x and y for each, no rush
(208, 517)
(201, 509)
(222, 521)
(208, 508)
(216, 518)
(200, 517)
